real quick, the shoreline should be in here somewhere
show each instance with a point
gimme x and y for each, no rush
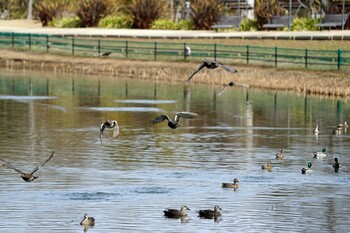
(325, 83)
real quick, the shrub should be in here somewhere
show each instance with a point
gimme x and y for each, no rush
(204, 13)
(47, 10)
(144, 12)
(66, 22)
(248, 25)
(264, 10)
(91, 11)
(168, 24)
(304, 24)
(115, 22)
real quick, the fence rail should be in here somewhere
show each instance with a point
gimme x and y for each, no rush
(145, 50)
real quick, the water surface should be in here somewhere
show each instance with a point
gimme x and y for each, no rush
(126, 183)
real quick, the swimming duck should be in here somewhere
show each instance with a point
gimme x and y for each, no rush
(174, 213)
(87, 221)
(110, 125)
(28, 177)
(267, 165)
(210, 213)
(212, 65)
(316, 130)
(307, 170)
(173, 124)
(233, 185)
(280, 155)
(336, 164)
(232, 84)
(337, 130)
(320, 155)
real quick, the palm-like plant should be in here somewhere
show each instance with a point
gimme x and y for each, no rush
(264, 10)
(205, 13)
(47, 10)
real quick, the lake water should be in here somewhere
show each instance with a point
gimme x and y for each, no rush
(125, 183)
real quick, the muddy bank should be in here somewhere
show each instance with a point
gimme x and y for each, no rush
(330, 83)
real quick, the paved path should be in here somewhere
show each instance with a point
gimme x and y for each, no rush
(173, 34)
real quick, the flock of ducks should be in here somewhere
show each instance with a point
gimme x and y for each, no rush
(173, 124)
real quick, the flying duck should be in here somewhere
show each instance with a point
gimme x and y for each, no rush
(233, 185)
(211, 65)
(173, 124)
(210, 213)
(232, 84)
(174, 213)
(28, 177)
(109, 125)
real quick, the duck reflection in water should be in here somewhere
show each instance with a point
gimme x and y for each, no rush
(336, 165)
(173, 124)
(28, 177)
(110, 125)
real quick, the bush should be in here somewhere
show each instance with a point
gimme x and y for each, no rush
(47, 10)
(167, 24)
(304, 24)
(248, 25)
(144, 12)
(204, 13)
(91, 11)
(115, 22)
(66, 22)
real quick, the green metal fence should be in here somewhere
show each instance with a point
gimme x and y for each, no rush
(171, 51)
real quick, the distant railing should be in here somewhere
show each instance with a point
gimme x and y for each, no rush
(172, 51)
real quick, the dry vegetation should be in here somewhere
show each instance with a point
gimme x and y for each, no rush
(332, 83)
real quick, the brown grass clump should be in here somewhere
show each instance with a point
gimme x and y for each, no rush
(327, 83)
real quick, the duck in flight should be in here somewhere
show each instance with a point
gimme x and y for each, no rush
(173, 124)
(232, 84)
(28, 177)
(211, 65)
(109, 125)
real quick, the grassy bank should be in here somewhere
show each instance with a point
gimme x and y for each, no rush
(331, 83)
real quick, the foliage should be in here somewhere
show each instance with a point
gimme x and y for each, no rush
(121, 21)
(91, 11)
(204, 13)
(248, 25)
(264, 10)
(305, 24)
(47, 10)
(168, 24)
(66, 22)
(16, 8)
(144, 12)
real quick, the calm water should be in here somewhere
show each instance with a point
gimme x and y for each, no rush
(127, 182)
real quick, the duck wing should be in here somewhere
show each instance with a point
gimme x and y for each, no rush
(186, 115)
(223, 89)
(160, 118)
(196, 71)
(7, 165)
(227, 68)
(39, 166)
(116, 131)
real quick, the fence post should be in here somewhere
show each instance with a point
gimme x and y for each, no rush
(339, 58)
(126, 49)
(98, 47)
(30, 41)
(155, 50)
(275, 56)
(73, 45)
(215, 52)
(306, 58)
(185, 55)
(13, 39)
(47, 43)
(247, 54)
